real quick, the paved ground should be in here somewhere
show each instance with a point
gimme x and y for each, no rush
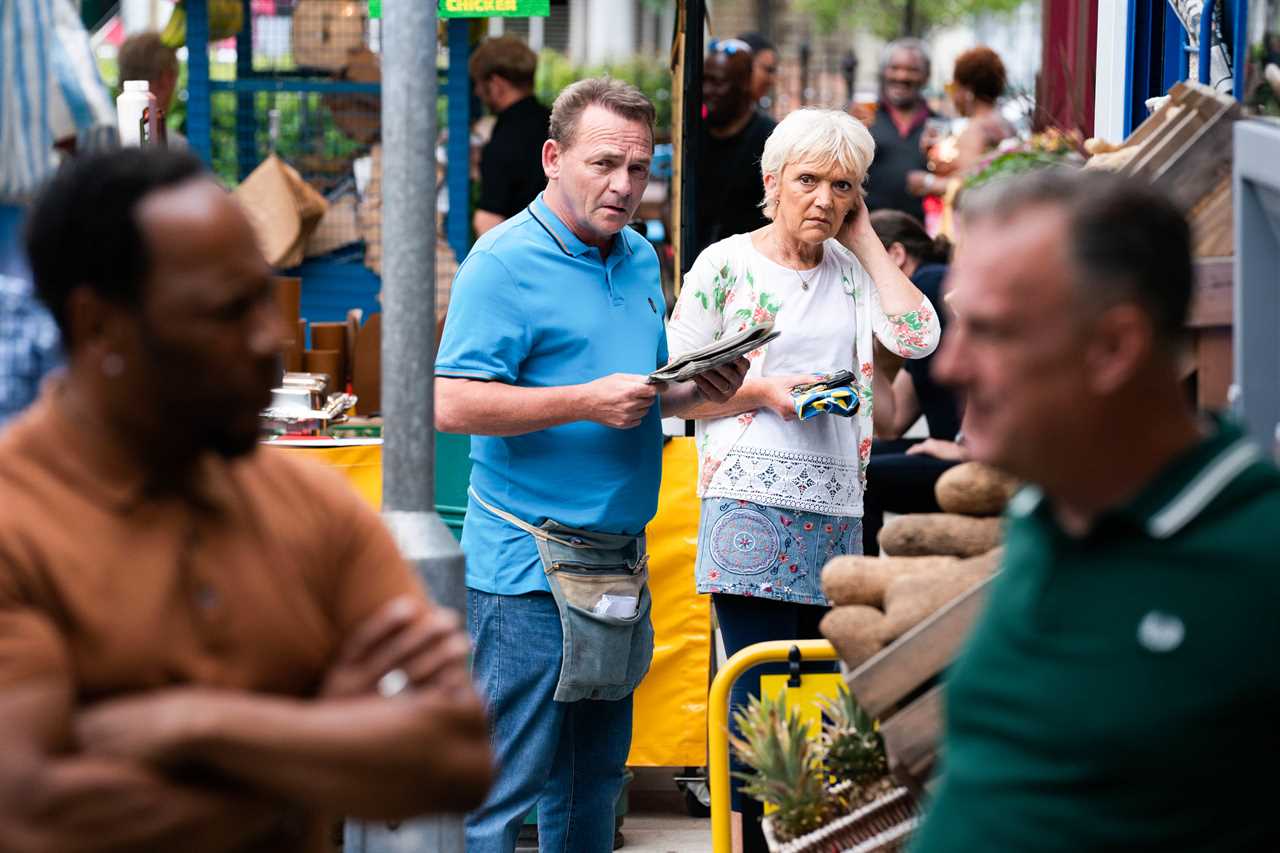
(666, 831)
(658, 821)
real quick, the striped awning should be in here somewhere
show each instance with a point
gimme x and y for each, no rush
(50, 90)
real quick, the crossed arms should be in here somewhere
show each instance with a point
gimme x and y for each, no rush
(138, 772)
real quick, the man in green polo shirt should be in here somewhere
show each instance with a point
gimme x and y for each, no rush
(1119, 692)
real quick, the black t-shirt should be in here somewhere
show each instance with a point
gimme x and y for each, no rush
(937, 402)
(511, 173)
(729, 186)
(895, 156)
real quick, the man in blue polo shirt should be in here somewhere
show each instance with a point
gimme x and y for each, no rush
(1118, 692)
(556, 317)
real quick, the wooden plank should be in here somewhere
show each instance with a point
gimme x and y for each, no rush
(1201, 162)
(1211, 299)
(911, 736)
(1189, 151)
(1155, 123)
(1184, 116)
(917, 655)
(1213, 223)
(1215, 363)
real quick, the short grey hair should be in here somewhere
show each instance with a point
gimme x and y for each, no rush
(912, 44)
(1128, 241)
(816, 136)
(621, 99)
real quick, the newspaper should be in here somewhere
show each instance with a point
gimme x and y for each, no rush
(713, 355)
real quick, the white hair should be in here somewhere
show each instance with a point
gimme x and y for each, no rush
(824, 137)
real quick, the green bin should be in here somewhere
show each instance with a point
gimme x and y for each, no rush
(453, 473)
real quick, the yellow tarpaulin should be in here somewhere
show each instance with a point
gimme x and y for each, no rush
(670, 725)
(361, 464)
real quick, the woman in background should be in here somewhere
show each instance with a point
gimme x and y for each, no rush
(782, 496)
(902, 472)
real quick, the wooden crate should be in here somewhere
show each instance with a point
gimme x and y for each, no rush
(901, 687)
(1185, 148)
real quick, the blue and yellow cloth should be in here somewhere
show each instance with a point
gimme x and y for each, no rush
(833, 394)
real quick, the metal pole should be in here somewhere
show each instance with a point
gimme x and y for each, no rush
(691, 125)
(458, 92)
(408, 351)
(718, 721)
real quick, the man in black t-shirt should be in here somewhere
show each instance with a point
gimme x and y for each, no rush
(897, 127)
(733, 133)
(511, 173)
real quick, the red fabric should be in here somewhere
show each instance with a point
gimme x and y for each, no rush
(916, 119)
(1065, 88)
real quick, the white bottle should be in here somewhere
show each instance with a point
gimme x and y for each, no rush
(136, 114)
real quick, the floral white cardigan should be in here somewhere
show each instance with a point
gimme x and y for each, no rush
(727, 290)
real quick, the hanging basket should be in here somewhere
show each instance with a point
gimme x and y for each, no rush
(885, 824)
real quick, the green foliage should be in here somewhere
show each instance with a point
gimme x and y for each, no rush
(810, 781)
(887, 18)
(787, 766)
(1043, 150)
(648, 74)
(307, 130)
(854, 750)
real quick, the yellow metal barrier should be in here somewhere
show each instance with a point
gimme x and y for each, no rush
(718, 722)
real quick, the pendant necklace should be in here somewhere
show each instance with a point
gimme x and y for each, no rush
(804, 282)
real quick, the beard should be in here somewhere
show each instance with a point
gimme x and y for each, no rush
(902, 101)
(194, 399)
(230, 443)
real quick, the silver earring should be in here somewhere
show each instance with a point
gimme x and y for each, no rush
(112, 365)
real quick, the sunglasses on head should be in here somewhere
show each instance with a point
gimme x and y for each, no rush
(728, 46)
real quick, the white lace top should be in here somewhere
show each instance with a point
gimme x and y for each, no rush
(817, 465)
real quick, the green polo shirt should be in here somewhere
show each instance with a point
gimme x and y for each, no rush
(1121, 690)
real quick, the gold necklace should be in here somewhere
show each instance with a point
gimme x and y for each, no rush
(804, 282)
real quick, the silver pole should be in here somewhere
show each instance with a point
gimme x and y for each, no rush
(408, 352)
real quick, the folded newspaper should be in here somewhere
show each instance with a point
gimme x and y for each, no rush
(713, 355)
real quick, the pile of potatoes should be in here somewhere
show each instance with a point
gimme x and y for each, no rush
(928, 559)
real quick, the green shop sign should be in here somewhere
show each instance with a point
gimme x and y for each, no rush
(494, 8)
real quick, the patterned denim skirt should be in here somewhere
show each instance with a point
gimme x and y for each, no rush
(749, 549)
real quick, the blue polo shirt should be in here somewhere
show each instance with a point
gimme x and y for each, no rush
(534, 306)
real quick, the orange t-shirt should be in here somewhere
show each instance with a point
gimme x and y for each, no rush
(250, 581)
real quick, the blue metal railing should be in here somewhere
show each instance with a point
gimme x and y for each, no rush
(199, 128)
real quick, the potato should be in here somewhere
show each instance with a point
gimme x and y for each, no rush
(939, 534)
(911, 589)
(854, 631)
(863, 580)
(915, 598)
(974, 489)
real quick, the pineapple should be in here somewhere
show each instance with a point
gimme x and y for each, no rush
(854, 750)
(787, 767)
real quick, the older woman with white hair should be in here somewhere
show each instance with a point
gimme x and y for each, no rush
(782, 496)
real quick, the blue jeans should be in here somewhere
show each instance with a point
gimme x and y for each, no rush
(567, 758)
